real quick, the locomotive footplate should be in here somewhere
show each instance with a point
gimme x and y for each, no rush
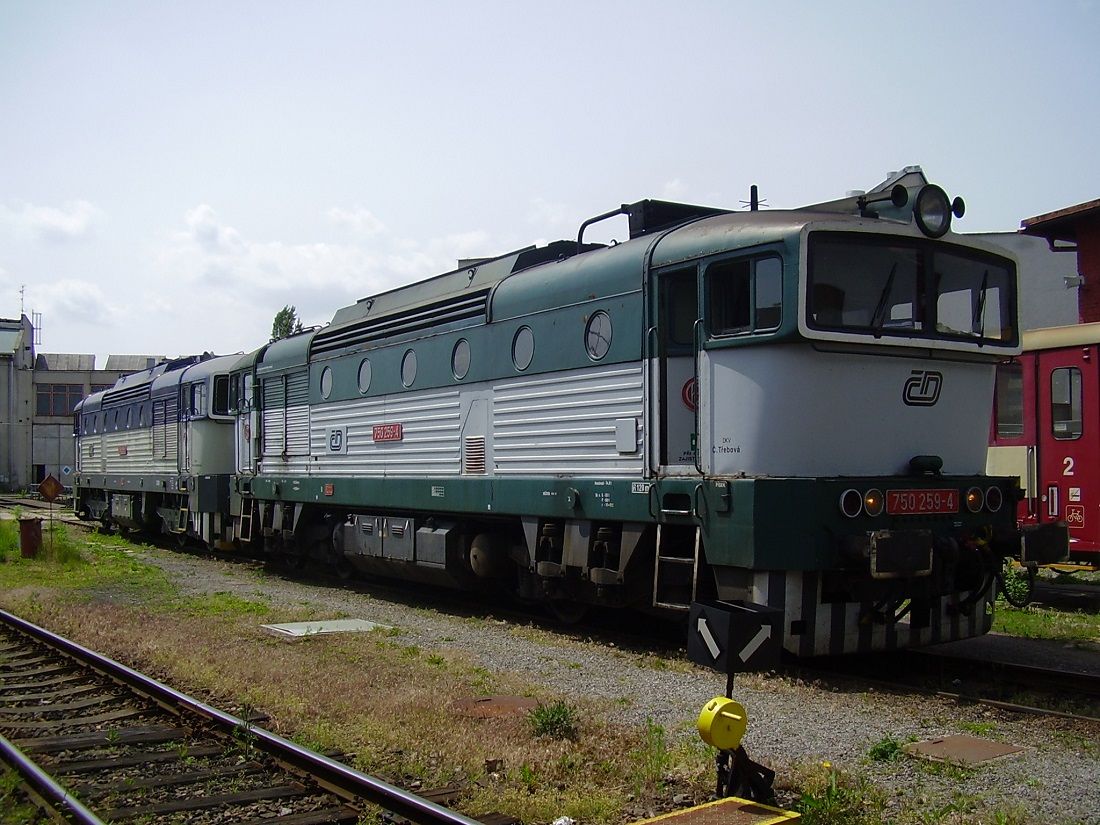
(899, 554)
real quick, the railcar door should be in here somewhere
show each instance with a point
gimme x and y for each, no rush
(1069, 439)
(1014, 439)
(183, 460)
(246, 423)
(673, 378)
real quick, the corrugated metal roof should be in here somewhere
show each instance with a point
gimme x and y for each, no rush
(132, 363)
(10, 341)
(64, 361)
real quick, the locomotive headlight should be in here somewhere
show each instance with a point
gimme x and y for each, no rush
(873, 502)
(994, 498)
(851, 503)
(974, 500)
(932, 211)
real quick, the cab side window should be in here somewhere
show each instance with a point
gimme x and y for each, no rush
(744, 295)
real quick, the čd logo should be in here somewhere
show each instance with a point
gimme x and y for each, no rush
(922, 389)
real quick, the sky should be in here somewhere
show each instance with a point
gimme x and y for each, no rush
(172, 175)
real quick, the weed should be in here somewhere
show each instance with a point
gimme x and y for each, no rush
(654, 758)
(946, 770)
(887, 749)
(557, 720)
(978, 728)
(436, 660)
(834, 800)
(14, 807)
(224, 603)
(527, 776)
(410, 651)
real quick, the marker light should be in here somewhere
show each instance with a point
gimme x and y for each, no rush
(851, 503)
(932, 211)
(994, 498)
(873, 502)
(974, 500)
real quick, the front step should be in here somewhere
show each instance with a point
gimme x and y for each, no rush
(676, 566)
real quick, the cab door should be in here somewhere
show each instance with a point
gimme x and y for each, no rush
(672, 347)
(246, 424)
(1069, 437)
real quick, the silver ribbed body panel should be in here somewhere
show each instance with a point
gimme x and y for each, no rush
(564, 424)
(286, 419)
(129, 451)
(90, 457)
(429, 446)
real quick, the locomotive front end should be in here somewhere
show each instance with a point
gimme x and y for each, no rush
(854, 434)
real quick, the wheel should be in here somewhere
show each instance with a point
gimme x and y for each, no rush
(567, 612)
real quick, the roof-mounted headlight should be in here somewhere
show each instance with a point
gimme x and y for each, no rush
(932, 211)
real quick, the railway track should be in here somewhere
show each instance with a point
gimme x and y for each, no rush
(95, 741)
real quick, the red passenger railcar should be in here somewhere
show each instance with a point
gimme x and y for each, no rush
(1046, 430)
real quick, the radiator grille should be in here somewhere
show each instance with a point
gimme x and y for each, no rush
(473, 455)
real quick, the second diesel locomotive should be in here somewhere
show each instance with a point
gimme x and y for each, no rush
(784, 407)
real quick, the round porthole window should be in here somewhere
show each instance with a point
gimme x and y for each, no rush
(408, 368)
(460, 359)
(326, 382)
(129, 417)
(523, 348)
(597, 335)
(364, 375)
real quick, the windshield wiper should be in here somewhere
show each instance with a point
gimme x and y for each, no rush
(978, 320)
(879, 316)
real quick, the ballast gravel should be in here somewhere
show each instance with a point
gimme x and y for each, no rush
(793, 725)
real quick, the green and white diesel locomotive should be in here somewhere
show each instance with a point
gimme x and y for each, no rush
(783, 407)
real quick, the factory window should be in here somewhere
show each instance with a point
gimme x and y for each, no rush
(408, 368)
(597, 335)
(57, 399)
(523, 348)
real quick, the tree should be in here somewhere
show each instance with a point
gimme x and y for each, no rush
(286, 323)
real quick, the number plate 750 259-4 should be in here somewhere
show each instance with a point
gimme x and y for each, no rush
(903, 502)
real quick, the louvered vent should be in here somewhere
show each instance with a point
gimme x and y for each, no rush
(473, 455)
(461, 310)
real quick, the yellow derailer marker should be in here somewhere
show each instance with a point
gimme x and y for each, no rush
(722, 723)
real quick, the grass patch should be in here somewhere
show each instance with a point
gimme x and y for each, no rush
(887, 749)
(830, 797)
(557, 720)
(1043, 623)
(224, 603)
(978, 728)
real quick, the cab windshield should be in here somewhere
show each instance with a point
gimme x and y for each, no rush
(909, 288)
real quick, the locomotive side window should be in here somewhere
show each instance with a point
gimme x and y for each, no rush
(221, 395)
(523, 348)
(678, 308)
(744, 295)
(1065, 403)
(1008, 401)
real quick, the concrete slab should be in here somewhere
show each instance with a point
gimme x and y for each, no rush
(297, 629)
(962, 749)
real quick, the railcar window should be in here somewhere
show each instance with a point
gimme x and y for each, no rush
(744, 295)
(1065, 403)
(597, 335)
(221, 395)
(912, 288)
(680, 307)
(408, 368)
(326, 382)
(364, 375)
(460, 359)
(198, 400)
(1009, 401)
(523, 348)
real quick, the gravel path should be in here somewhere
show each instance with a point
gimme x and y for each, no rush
(790, 723)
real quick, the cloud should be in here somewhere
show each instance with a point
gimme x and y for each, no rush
(359, 220)
(73, 221)
(74, 301)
